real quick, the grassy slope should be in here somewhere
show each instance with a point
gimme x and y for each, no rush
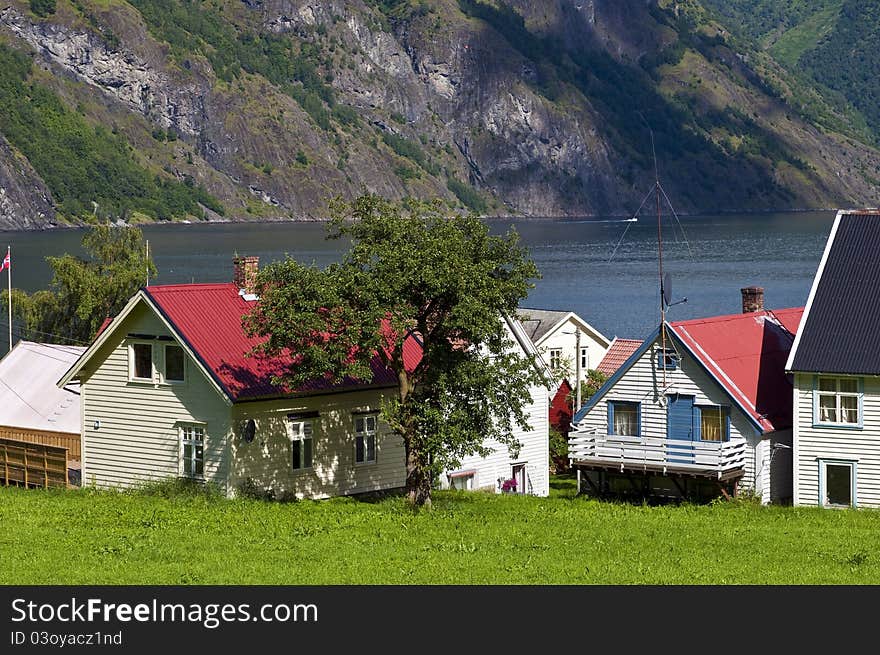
(805, 36)
(94, 538)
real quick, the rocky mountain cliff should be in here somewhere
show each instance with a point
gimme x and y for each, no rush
(267, 108)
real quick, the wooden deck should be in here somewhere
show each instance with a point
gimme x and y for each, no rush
(32, 465)
(714, 460)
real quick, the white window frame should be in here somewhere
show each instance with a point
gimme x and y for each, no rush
(823, 477)
(302, 430)
(555, 359)
(165, 377)
(365, 434)
(131, 360)
(469, 476)
(585, 358)
(858, 394)
(195, 443)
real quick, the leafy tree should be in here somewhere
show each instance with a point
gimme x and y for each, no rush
(86, 291)
(410, 270)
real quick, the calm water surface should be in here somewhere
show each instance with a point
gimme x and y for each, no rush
(618, 296)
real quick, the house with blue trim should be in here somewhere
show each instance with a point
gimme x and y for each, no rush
(703, 407)
(835, 364)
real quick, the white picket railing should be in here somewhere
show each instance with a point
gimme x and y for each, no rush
(657, 453)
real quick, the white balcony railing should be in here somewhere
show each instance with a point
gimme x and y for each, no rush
(707, 457)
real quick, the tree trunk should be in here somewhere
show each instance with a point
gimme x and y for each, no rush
(418, 480)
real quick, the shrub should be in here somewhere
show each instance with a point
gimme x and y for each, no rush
(43, 7)
(558, 451)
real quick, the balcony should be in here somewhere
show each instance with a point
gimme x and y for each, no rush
(719, 460)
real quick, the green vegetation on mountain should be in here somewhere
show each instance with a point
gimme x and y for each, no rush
(87, 168)
(832, 43)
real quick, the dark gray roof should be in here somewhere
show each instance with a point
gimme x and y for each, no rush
(537, 322)
(841, 329)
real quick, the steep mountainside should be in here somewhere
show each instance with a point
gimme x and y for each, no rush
(833, 43)
(165, 109)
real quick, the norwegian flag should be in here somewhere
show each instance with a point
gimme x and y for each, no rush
(6, 263)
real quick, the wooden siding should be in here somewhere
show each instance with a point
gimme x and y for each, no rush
(535, 453)
(565, 338)
(137, 438)
(267, 459)
(46, 437)
(32, 465)
(643, 384)
(859, 445)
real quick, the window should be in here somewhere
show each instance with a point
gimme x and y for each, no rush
(714, 425)
(837, 401)
(556, 358)
(667, 359)
(585, 359)
(624, 418)
(462, 480)
(837, 483)
(300, 433)
(174, 364)
(192, 438)
(365, 439)
(141, 361)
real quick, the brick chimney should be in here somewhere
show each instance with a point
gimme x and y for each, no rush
(753, 299)
(245, 271)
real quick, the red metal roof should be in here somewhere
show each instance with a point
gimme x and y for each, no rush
(618, 352)
(746, 353)
(208, 317)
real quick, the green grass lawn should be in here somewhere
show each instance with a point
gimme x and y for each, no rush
(87, 537)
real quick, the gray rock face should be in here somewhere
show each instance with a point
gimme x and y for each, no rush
(119, 73)
(470, 98)
(25, 202)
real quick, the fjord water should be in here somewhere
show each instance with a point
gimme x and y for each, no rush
(619, 296)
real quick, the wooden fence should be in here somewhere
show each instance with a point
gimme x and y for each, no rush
(45, 437)
(32, 465)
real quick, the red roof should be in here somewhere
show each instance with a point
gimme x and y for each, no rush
(746, 354)
(560, 408)
(619, 351)
(208, 317)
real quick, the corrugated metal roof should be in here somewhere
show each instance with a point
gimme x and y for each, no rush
(746, 354)
(208, 317)
(618, 352)
(842, 331)
(538, 322)
(28, 395)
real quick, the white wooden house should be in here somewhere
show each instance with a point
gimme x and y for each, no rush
(566, 341)
(703, 406)
(167, 391)
(835, 362)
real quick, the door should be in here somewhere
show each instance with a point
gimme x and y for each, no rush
(680, 427)
(518, 473)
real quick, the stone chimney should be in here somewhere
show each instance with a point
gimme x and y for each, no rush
(753, 299)
(244, 275)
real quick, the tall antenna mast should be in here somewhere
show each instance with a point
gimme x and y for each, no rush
(657, 190)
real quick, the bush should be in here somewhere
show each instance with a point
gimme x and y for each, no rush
(467, 195)
(179, 488)
(249, 488)
(43, 7)
(558, 452)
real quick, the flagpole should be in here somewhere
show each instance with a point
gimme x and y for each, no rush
(9, 294)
